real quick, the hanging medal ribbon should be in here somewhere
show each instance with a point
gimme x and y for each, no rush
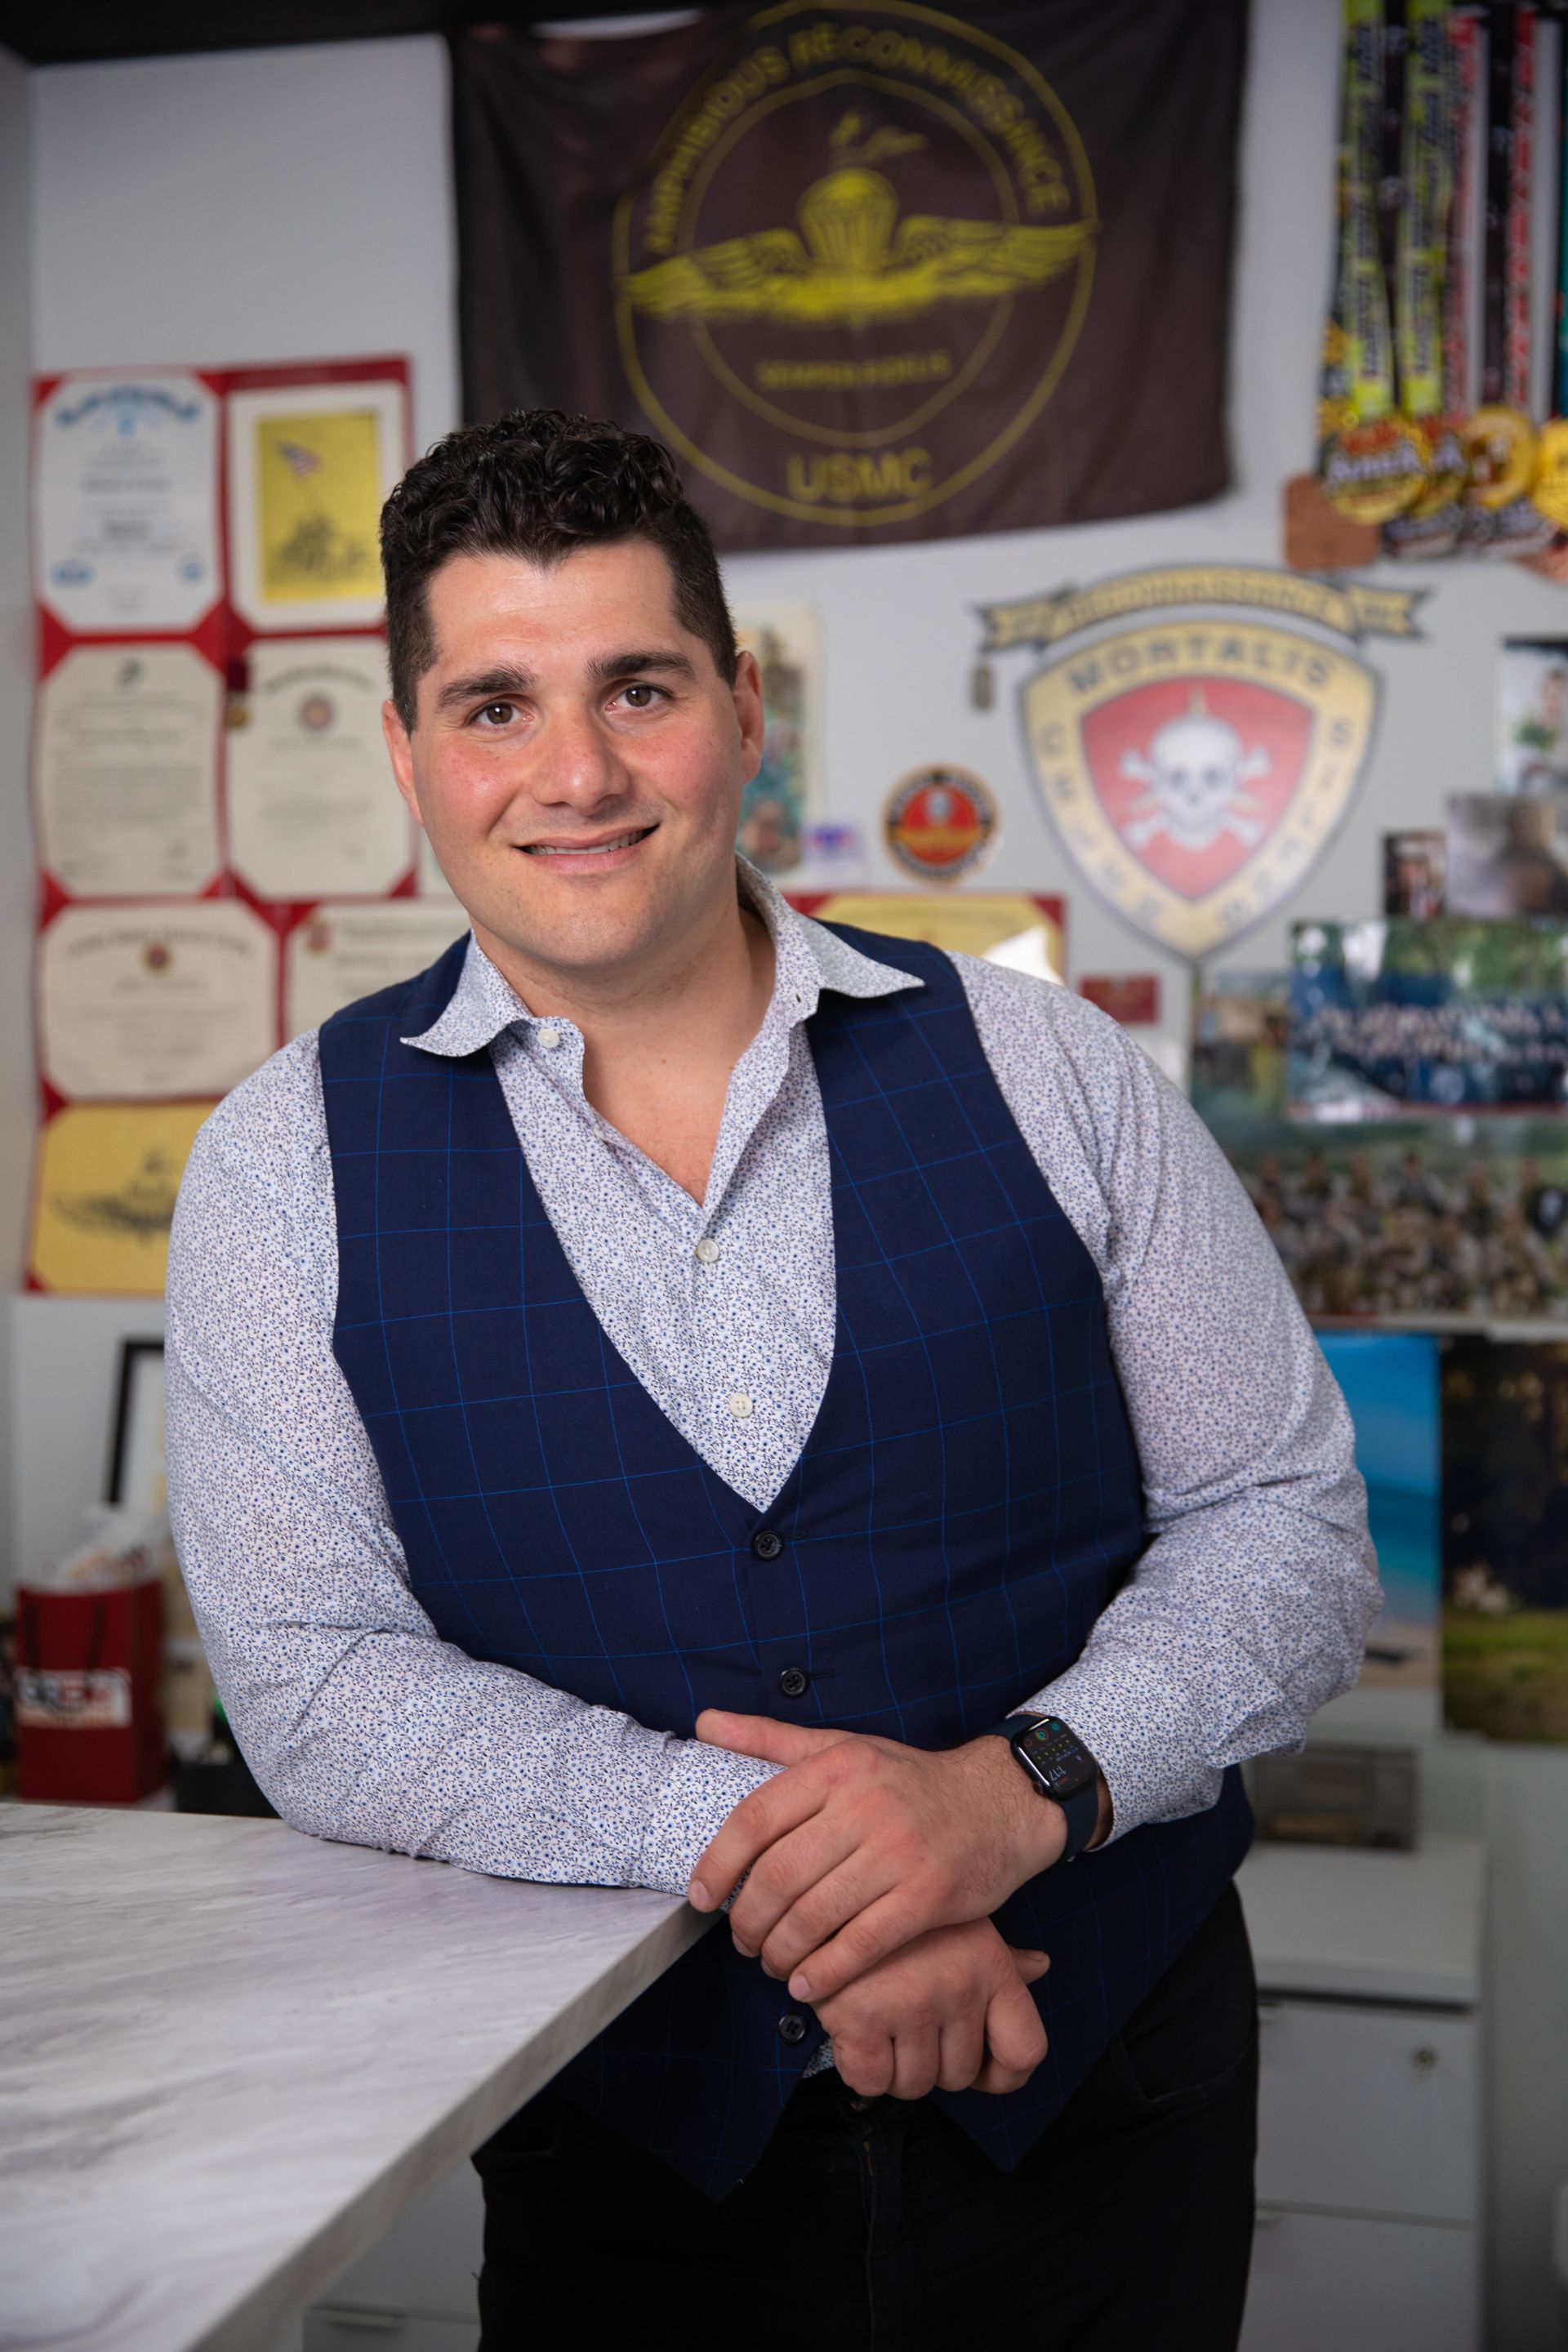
(1428, 346)
(1550, 489)
(1500, 438)
(1374, 465)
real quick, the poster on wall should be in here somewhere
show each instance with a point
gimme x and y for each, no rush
(1197, 735)
(1505, 1539)
(312, 808)
(104, 1187)
(1424, 1220)
(1390, 1382)
(1392, 1017)
(1532, 715)
(310, 467)
(1508, 854)
(125, 529)
(783, 801)
(125, 771)
(871, 273)
(1022, 932)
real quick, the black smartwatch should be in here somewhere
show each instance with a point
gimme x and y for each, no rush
(1061, 1768)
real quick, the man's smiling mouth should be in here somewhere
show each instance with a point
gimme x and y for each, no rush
(586, 848)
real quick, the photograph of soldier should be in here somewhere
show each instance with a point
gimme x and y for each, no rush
(1455, 1016)
(1414, 875)
(1532, 715)
(1411, 1223)
(1508, 854)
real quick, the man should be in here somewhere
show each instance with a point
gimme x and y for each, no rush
(679, 1395)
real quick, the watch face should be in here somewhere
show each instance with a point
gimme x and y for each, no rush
(1058, 1756)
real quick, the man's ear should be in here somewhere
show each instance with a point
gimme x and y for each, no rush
(401, 752)
(748, 694)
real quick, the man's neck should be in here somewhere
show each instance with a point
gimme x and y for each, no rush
(659, 1043)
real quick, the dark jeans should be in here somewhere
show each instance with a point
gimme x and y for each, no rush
(877, 2225)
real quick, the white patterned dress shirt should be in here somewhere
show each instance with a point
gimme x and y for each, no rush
(1248, 1611)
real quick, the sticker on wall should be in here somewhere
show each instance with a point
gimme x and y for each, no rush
(1198, 764)
(940, 823)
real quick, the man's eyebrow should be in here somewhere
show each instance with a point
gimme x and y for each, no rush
(611, 665)
(484, 686)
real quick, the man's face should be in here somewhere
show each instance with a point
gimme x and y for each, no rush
(576, 759)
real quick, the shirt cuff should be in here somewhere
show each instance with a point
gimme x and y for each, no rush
(1139, 1731)
(695, 1791)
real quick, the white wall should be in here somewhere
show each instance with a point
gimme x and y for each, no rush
(293, 204)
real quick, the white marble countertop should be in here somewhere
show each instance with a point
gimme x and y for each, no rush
(231, 2056)
(1362, 1924)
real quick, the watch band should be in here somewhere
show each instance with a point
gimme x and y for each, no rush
(1079, 1805)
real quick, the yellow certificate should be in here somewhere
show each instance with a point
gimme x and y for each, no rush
(998, 926)
(104, 1195)
(310, 468)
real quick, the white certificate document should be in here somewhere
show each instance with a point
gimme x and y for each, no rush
(125, 477)
(340, 953)
(139, 1003)
(313, 810)
(125, 775)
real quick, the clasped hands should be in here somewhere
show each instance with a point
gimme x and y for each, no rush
(871, 1870)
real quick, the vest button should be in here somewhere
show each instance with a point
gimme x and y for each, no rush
(767, 1543)
(793, 2027)
(794, 1683)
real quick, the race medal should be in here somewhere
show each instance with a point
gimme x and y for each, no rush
(940, 823)
(1373, 472)
(1549, 491)
(1500, 446)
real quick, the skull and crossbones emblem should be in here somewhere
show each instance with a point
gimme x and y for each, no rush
(1196, 772)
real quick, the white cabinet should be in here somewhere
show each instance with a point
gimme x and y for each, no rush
(1368, 2127)
(417, 2290)
(1332, 2280)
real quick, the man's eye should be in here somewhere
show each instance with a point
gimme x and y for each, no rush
(497, 714)
(650, 694)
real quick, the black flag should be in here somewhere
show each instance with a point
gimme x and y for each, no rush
(872, 273)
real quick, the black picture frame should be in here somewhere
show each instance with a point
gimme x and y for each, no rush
(138, 1409)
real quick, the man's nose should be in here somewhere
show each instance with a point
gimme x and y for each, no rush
(576, 759)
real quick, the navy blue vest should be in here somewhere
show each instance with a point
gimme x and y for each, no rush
(968, 1501)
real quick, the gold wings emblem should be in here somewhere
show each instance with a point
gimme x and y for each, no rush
(855, 262)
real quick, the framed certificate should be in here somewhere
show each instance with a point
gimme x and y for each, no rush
(125, 475)
(310, 467)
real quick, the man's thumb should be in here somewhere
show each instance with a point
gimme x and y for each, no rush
(1031, 1966)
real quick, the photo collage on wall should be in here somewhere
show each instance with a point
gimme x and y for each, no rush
(1396, 1105)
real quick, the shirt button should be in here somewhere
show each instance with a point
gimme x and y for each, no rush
(794, 1682)
(740, 1405)
(549, 1039)
(708, 1250)
(793, 2027)
(767, 1543)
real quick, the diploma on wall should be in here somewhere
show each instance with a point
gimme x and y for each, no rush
(1023, 933)
(103, 1196)
(138, 1003)
(312, 808)
(342, 952)
(126, 525)
(126, 772)
(309, 468)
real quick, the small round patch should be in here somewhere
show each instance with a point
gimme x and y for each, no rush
(940, 823)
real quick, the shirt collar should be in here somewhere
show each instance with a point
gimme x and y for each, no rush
(808, 960)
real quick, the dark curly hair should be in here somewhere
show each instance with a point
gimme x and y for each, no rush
(539, 483)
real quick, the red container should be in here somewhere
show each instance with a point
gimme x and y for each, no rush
(90, 1727)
